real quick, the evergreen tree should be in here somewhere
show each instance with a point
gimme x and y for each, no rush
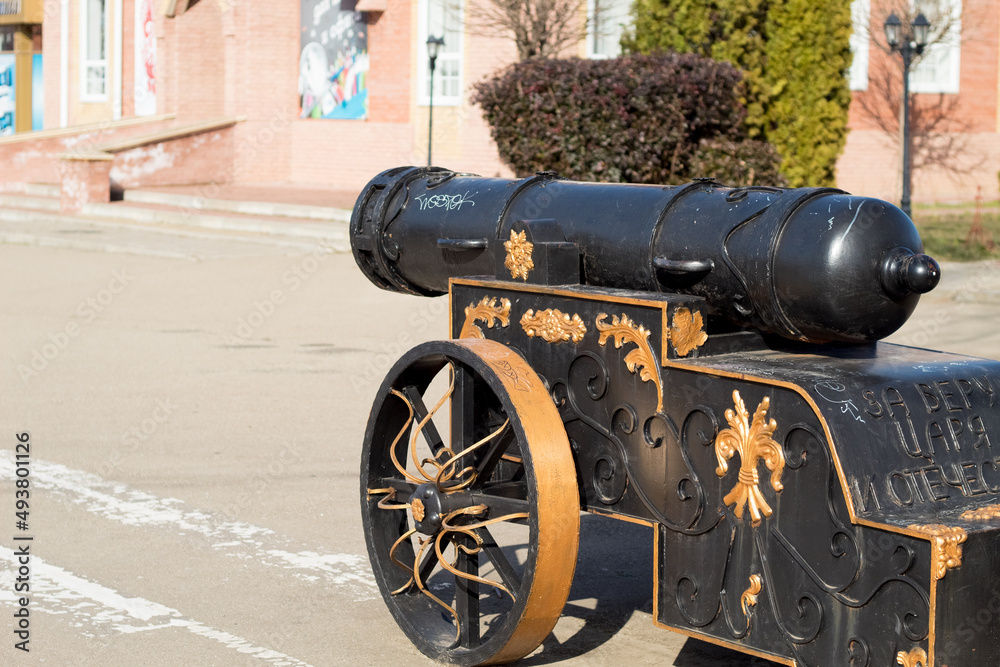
(795, 55)
(808, 54)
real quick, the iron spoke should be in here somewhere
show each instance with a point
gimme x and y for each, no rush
(499, 505)
(430, 432)
(467, 596)
(489, 460)
(404, 488)
(507, 573)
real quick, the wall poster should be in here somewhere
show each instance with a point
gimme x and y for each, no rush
(333, 61)
(37, 94)
(8, 95)
(145, 58)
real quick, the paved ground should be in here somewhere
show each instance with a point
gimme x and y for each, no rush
(195, 431)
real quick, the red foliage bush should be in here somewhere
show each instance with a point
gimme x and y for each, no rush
(662, 118)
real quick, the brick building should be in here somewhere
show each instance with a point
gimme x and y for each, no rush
(956, 88)
(147, 92)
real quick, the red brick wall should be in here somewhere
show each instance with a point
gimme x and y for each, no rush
(266, 52)
(347, 154)
(51, 29)
(37, 160)
(192, 160)
(389, 76)
(83, 181)
(193, 73)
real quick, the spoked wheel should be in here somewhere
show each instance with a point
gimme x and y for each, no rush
(470, 502)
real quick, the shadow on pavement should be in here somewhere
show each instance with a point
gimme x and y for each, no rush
(614, 581)
(702, 654)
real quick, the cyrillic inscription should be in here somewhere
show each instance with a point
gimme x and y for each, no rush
(929, 418)
(928, 484)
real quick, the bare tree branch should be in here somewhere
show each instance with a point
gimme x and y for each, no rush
(937, 128)
(539, 28)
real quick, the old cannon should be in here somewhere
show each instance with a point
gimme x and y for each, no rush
(700, 359)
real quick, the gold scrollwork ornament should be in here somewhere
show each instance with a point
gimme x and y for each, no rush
(749, 597)
(486, 311)
(553, 326)
(946, 546)
(987, 513)
(754, 443)
(642, 359)
(519, 261)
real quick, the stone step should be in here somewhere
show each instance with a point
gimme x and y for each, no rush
(50, 190)
(274, 209)
(154, 214)
(186, 215)
(34, 203)
(32, 227)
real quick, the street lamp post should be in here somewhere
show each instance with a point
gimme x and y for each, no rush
(434, 45)
(909, 44)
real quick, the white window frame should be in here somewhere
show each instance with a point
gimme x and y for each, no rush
(948, 53)
(85, 62)
(860, 42)
(456, 56)
(592, 42)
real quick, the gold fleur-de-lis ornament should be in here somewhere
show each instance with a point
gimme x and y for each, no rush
(754, 443)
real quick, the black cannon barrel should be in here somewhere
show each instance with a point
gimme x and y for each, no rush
(810, 264)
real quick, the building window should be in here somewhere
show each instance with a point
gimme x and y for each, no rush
(440, 18)
(7, 38)
(606, 21)
(93, 50)
(861, 19)
(939, 68)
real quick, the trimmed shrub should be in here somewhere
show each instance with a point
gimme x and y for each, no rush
(795, 54)
(733, 31)
(661, 118)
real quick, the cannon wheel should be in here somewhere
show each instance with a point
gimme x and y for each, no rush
(473, 543)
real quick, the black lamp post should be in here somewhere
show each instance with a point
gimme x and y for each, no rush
(434, 45)
(908, 44)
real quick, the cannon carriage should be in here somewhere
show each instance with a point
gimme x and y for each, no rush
(699, 359)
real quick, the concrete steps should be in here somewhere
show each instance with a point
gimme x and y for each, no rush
(31, 189)
(281, 210)
(29, 202)
(285, 224)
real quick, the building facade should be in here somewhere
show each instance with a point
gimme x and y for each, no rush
(21, 94)
(955, 110)
(328, 93)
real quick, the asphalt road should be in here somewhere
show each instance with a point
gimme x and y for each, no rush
(196, 409)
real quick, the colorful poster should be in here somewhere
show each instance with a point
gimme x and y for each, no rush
(333, 62)
(37, 93)
(145, 58)
(7, 95)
